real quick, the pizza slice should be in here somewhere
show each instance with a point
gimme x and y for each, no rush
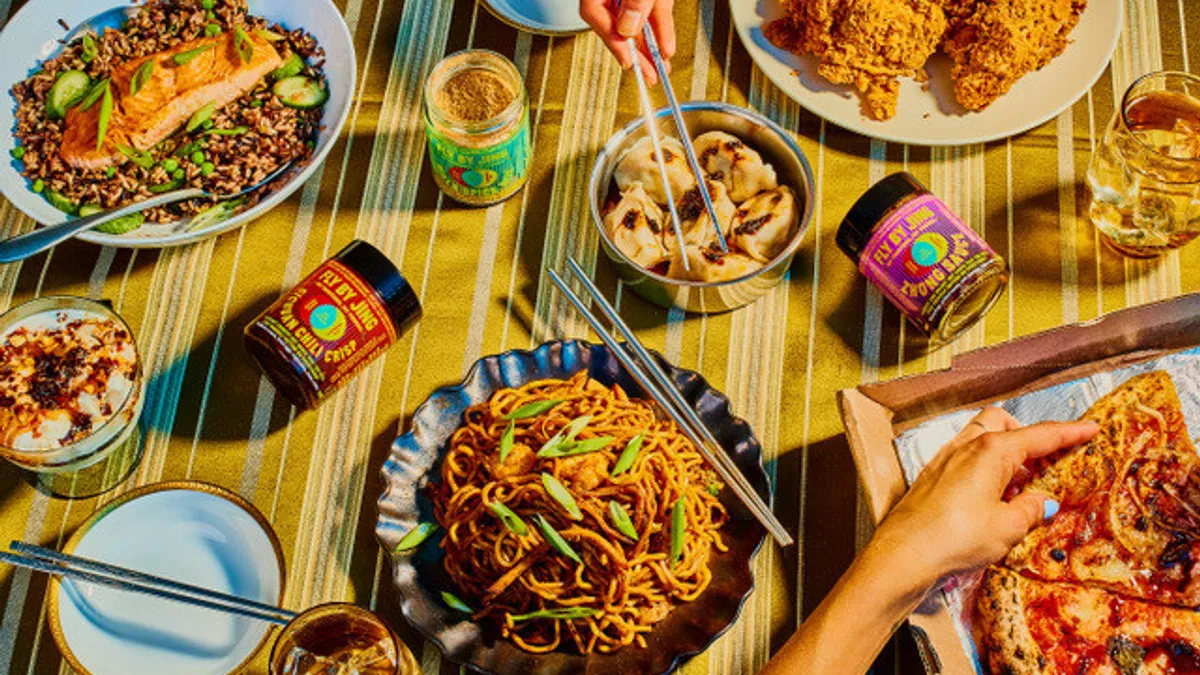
(1136, 531)
(1032, 627)
(1142, 412)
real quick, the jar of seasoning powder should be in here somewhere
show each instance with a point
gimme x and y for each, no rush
(937, 271)
(477, 122)
(332, 324)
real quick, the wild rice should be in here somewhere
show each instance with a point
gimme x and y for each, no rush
(276, 133)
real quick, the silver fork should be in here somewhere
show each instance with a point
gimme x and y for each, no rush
(31, 243)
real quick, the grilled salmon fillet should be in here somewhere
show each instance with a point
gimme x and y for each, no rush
(167, 99)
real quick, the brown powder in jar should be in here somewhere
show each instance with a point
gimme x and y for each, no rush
(475, 95)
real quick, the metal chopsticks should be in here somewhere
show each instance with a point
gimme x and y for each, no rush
(652, 131)
(70, 566)
(684, 137)
(658, 385)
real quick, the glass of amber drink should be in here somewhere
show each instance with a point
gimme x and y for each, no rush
(340, 639)
(1145, 174)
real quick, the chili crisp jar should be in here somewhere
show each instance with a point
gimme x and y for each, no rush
(477, 122)
(937, 271)
(332, 324)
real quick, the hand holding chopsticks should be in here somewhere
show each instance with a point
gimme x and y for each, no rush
(658, 385)
(92, 571)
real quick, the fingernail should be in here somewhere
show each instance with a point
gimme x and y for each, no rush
(1049, 508)
(629, 22)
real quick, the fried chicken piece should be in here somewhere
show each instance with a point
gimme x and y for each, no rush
(866, 43)
(1002, 41)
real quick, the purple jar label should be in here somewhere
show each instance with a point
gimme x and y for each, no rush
(918, 255)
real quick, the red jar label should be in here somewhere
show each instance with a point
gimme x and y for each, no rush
(332, 323)
(918, 256)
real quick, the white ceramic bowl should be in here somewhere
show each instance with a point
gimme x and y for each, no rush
(32, 36)
(185, 531)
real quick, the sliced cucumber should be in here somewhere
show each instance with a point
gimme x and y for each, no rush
(290, 68)
(121, 225)
(89, 210)
(68, 90)
(301, 92)
(60, 202)
(173, 184)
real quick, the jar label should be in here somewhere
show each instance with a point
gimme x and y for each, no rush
(333, 324)
(480, 174)
(919, 255)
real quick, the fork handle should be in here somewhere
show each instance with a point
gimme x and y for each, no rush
(25, 245)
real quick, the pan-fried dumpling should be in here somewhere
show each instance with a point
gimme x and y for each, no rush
(726, 158)
(693, 217)
(708, 264)
(763, 225)
(635, 225)
(638, 165)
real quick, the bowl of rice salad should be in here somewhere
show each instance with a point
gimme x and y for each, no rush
(166, 94)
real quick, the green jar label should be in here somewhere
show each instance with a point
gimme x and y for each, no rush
(480, 174)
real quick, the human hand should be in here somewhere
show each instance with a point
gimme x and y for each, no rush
(615, 23)
(954, 516)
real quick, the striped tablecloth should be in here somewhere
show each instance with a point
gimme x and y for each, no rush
(480, 273)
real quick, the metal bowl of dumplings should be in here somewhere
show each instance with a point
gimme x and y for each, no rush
(716, 282)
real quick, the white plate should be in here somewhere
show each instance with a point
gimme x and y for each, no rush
(190, 532)
(31, 37)
(933, 117)
(545, 17)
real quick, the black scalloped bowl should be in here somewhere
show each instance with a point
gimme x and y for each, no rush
(419, 577)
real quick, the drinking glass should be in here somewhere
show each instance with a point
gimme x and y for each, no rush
(340, 639)
(1145, 174)
(102, 459)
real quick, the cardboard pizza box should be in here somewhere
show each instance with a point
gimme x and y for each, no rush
(874, 414)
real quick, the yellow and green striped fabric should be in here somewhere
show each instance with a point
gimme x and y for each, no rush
(480, 274)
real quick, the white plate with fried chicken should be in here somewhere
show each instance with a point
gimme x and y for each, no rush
(932, 72)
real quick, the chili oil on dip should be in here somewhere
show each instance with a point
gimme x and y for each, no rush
(70, 383)
(937, 271)
(477, 122)
(321, 333)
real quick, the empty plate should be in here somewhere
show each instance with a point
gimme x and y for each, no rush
(545, 17)
(186, 531)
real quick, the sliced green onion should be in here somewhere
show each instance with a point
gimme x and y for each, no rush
(510, 519)
(270, 35)
(208, 4)
(415, 537)
(678, 529)
(232, 131)
(506, 440)
(453, 602)
(621, 520)
(243, 44)
(184, 58)
(558, 613)
(212, 30)
(628, 455)
(555, 539)
(531, 410)
(200, 116)
(141, 77)
(39, 185)
(561, 495)
(94, 94)
(185, 150)
(575, 426)
(106, 109)
(214, 214)
(565, 449)
(714, 488)
(139, 157)
(89, 48)
(110, 171)
(18, 152)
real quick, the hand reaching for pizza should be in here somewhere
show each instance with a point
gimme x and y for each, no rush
(954, 516)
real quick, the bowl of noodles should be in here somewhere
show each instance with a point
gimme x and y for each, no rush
(544, 517)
